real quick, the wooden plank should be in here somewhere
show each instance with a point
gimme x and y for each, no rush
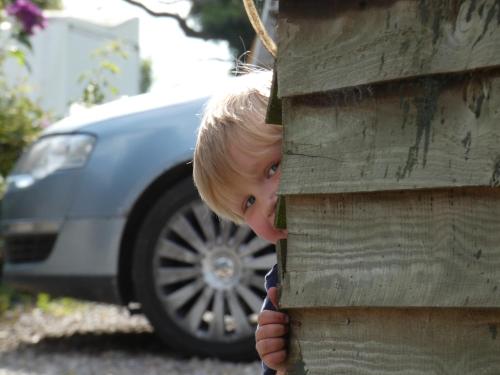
(390, 341)
(410, 248)
(335, 44)
(422, 134)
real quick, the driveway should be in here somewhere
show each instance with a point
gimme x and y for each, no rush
(95, 339)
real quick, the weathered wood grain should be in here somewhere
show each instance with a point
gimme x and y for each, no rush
(391, 341)
(407, 248)
(427, 133)
(337, 44)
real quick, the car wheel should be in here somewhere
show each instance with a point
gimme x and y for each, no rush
(200, 279)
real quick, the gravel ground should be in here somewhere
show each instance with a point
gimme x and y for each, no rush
(95, 340)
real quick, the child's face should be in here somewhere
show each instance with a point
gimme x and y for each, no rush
(258, 198)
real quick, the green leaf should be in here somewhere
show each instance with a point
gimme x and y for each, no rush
(110, 66)
(23, 38)
(17, 55)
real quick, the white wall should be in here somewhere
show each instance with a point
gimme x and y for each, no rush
(62, 52)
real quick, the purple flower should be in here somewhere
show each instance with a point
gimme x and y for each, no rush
(28, 14)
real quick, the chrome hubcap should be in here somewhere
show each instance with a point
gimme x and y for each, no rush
(222, 268)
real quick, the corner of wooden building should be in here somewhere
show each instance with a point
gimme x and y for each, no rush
(390, 178)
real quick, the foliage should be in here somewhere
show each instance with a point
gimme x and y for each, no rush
(49, 4)
(28, 17)
(224, 19)
(57, 306)
(28, 14)
(11, 299)
(43, 4)
(5, 300)
(146, 78)
(97, 83)
(21, 119)
(214, 19)
(20, 122)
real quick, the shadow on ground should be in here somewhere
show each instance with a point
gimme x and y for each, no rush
(94, 343)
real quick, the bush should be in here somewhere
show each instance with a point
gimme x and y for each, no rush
(20, 123)
(10, 298)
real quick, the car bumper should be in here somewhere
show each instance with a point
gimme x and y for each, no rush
(53, 256)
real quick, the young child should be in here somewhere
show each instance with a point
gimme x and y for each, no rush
(236, 169)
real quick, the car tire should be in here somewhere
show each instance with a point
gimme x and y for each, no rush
(199, 279)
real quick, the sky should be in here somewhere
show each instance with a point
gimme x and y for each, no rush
(178, 61)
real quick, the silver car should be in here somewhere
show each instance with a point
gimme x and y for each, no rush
(102, 207)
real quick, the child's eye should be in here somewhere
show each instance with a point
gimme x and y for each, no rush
(249, 202)
(272, 171)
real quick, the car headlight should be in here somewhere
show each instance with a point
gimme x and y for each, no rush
(53, 153)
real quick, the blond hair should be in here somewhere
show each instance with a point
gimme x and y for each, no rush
(233, 119)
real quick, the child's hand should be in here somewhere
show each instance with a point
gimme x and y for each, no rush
(269, 337)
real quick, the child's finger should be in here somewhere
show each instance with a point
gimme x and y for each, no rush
(270, 331)
(272, 294)
(275, 360)
(268, 346)
(272, 317)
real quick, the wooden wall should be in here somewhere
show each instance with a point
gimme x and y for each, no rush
(390, 176)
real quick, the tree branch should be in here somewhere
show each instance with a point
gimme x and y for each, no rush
(188, 31)
(171, 2)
